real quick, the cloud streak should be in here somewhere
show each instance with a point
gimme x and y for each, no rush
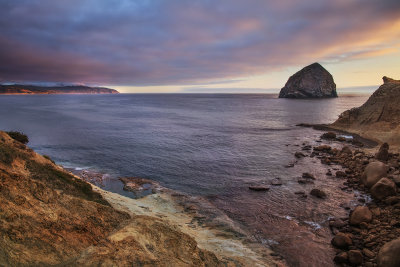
(141, 43)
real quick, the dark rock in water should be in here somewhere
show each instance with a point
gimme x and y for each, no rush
(360, 214)
(308, 175)
(355, 257)
(383, 188)
(383, 153)
(328, 135)
(299, 155)
(324, 148)
(276, 181)
(312, 81)
(389, 254)
(318, 193)
(259, 188)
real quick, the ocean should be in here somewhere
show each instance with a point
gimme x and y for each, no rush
(208, 145)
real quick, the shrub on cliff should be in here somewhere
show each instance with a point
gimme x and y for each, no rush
(20, 137)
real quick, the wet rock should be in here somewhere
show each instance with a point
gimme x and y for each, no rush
(340, 174)
(389, 254)
(368, 253)
(341, 258)
(392, 200)
(396, 180)
(308, 175)
(304, 181)
(337, 223)
(259, 188)
(360, 214)
(318, 193)
(355, 257)
(276, 181)
(299, 155)
(373, 173)
(328, 173)
(383, 188)
(328, 135)
(383, 153)
(341, 240)
(346, 151)
(324, 148)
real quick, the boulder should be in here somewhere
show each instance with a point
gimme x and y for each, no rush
(355, 257)
(313, 81)
(318, 193)
(383, 153)
(373, 173)
(389, 254)
(360, 214)
(346, 150)
(383, 189)
(341, 240)
(342, 257)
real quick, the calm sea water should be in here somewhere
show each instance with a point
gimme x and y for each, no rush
(201, 144)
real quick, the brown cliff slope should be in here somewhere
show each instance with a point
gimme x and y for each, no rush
(50, 217)
(378, 118)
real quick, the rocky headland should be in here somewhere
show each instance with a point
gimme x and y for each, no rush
(48, 216)
(378, 118)
(17, 89)
(313, 81)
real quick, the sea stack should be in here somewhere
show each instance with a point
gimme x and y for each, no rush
(313, 81)
(378, 118)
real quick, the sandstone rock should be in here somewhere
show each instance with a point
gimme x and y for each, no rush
(318, 193)
(389, 254)
(312, 81)
(360, 214)
(378, 118)
(383, 188)
(373, 173)
(355, 257)
(341, 240)
(383, 153)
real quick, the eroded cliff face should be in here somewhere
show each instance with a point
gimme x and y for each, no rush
(378, 118)
(313, 81)
(48, 217)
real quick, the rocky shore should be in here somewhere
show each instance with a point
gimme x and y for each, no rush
(369, 236)
(49, 217)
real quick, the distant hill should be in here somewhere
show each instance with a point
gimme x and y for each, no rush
(75, 89)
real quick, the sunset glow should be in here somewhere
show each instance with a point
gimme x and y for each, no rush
(197, 46)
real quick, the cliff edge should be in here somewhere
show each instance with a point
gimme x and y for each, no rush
(378, 118)
(313, 81)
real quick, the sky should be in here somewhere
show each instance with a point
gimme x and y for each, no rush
(195, 46)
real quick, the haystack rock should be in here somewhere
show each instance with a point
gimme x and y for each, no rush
(313, 81)
(378, 118)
